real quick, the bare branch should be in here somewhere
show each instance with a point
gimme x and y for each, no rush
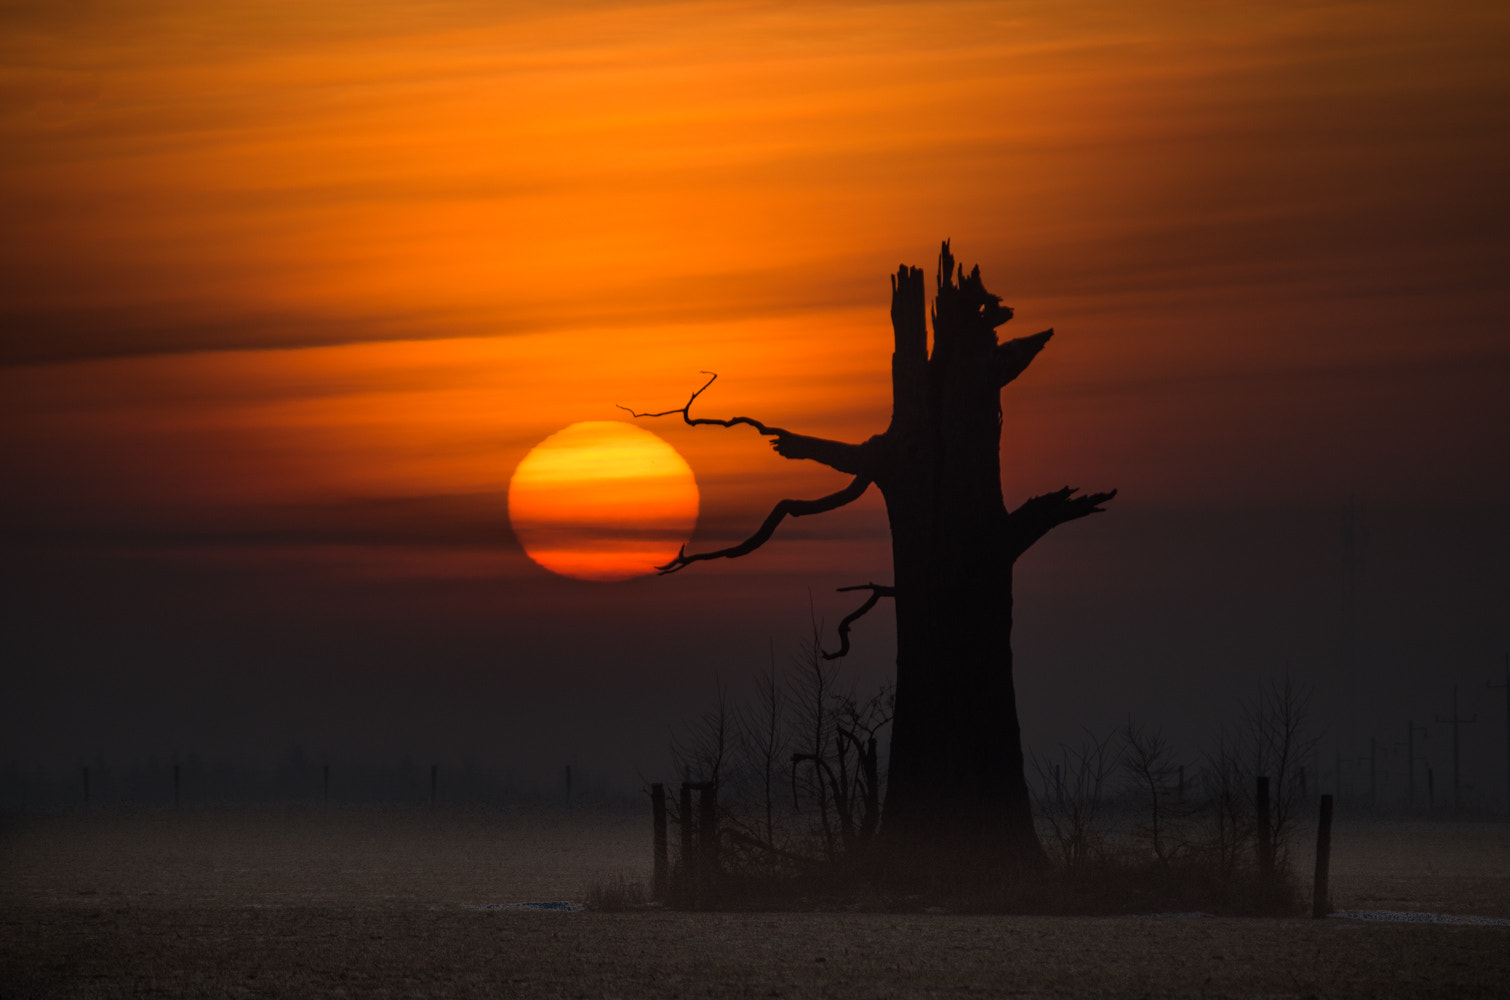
(691, 421)
(1071, 795)
(853, 459)
(1041, 514)
(782, 510)
(758, 844)
(877, 591)
(1011, 359)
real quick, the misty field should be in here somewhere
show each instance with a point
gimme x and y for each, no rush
(392, 903)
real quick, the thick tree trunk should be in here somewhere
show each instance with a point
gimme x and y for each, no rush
(957, 799)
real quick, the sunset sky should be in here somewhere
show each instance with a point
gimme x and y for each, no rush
(288, 290)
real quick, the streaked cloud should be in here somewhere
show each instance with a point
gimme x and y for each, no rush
(312, 254)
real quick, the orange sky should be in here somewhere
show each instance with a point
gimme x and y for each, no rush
(266, 264)
(618, 196)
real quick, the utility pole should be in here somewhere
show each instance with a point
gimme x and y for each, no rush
(1506, 686)
(1354, 540)
(1457, 801)
(1410, 762)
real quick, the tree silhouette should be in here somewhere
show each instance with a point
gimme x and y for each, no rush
(957, 804)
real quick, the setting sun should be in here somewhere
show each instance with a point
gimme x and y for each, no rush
(602, 500)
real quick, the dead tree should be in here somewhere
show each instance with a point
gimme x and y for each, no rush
(957, 803)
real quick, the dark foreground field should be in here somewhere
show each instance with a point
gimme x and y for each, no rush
(371, 904)
(445, 952)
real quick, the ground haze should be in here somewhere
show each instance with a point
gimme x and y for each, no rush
(382, 903)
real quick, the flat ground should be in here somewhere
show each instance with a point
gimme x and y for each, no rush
(367, 903)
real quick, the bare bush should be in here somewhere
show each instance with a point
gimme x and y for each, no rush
(1200, 849)
(1156, 791)
(1272, 740)
(764, 747)
(1227, 803)
(797, 768)
(800, 786)
(812, 689)
(1070, 795)
(1280, 737)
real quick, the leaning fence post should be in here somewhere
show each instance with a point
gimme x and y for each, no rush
(1320, 901)
(1265, 834)
(658, 809)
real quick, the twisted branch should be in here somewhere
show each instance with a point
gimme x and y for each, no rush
(854, 459)
(877, 591)
(694, 421)
(782, 510)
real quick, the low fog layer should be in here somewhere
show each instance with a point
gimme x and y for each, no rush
(1169, 618)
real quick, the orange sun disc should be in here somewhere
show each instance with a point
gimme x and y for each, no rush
(602, 500)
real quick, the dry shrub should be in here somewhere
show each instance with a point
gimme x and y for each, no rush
(799, 786)
(799, 778)
(617, 894)
(1145, 844)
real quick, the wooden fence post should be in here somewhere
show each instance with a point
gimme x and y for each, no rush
(1265, 834)
(1320, 899)
(658, 809)
(689, 846)
(707, 830)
